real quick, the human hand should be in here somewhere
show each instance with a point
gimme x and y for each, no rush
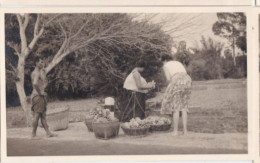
(44, 94)
(151, 85)
(154, 83)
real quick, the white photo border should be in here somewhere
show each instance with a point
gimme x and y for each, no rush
(125, 3)
(251, 86)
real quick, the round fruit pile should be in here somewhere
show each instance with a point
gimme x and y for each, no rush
(158, 121)
(103, 115)
(136, 123)
(89, 118)
(92, 113)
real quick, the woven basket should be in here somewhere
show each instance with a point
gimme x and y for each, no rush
(136, 132)
(164, 127)
(58, 119)
(106, 130)
(88, 123)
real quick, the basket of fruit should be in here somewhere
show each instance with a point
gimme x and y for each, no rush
(136, 127)
(105, 125)
(159, 123)
(89, 118)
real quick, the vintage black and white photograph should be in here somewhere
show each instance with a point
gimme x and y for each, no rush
(126, 83)
(71, 3)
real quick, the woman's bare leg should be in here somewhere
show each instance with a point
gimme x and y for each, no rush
(184, 121)
(175, 123)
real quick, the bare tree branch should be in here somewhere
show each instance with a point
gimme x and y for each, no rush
(54, 17)
(22, 33)
(55, 61)
(9, 63)
(80, 29)
(61, 50)
(26, 20)
(63, 30)
(36, 26)
(37, 34)
(19, 18)
(15, 47)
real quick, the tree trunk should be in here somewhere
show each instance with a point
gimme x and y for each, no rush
(25, 50)
(24, 103)
(20, 90)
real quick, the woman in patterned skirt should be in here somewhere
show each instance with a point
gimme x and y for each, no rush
(177, 93)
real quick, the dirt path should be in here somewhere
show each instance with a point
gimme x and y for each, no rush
(16, 147)
(77, 140)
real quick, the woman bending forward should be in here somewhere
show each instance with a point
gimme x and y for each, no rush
(177, 93)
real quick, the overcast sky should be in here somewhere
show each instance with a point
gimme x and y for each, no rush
(189, 26)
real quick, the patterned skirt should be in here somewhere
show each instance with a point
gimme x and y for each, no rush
(177, 94)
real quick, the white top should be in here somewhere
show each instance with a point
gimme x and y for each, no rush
(130, 83)
(171, 68)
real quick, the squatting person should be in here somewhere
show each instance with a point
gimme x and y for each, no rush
(39, 98)
(177, 93)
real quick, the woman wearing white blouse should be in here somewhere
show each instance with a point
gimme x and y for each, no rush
(178, 92)
(132, 101)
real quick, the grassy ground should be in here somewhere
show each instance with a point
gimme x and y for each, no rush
(222, 107)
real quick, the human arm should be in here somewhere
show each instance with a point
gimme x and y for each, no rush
(166, 73)
(139, 83)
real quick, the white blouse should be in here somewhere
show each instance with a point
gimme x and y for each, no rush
(130, 83)
(171, 68)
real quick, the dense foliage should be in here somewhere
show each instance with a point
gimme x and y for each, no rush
(208, 62)
(114, 43)
(232, 26)
(117, 42)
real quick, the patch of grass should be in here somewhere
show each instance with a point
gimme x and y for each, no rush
(220, 110)
(223, 120)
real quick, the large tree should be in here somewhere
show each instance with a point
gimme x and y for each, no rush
(55, 36)
(206, 62)
(232, 26)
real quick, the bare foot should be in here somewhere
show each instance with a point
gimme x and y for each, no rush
(51, 135)
(174, 133)
(185, 132)
(34, 137)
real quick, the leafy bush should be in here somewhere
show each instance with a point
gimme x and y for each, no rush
(207, 63)
(100, 67)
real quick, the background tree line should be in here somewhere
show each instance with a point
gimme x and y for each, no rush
(91, 54)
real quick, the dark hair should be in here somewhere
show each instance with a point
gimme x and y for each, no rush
(141, 63)
(166, 58)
